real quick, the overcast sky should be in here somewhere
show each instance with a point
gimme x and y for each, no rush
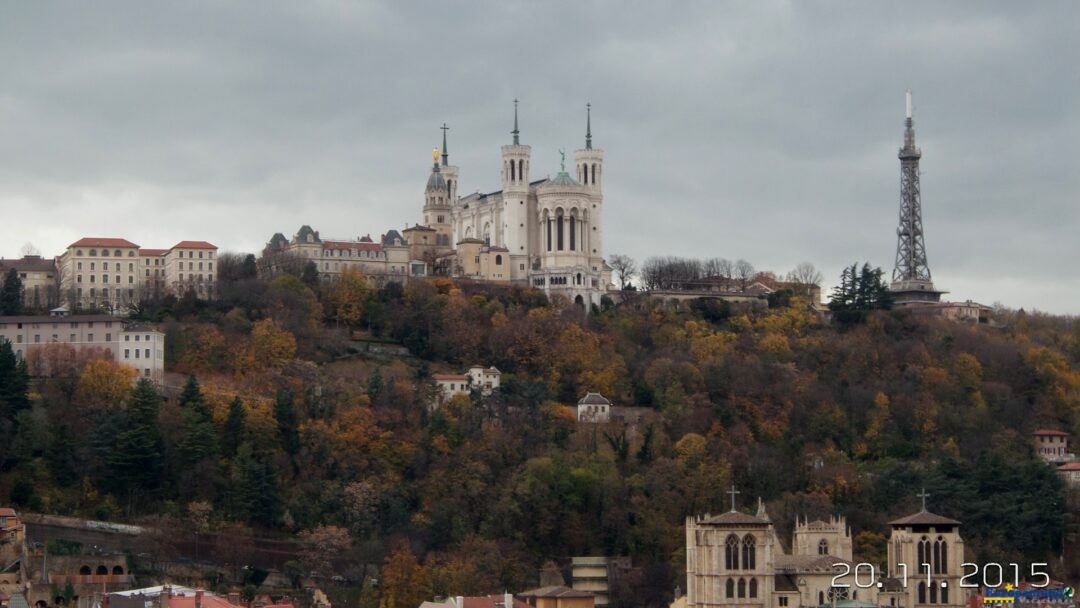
(764, 130)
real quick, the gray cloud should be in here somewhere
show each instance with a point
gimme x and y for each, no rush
(762, 129)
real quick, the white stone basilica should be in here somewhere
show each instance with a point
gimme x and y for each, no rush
(547, 233)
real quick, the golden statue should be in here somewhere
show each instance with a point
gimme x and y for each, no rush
(435, 154)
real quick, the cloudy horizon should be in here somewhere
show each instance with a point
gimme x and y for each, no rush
(763, 130)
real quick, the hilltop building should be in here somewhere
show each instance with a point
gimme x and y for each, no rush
(547, 233)
(39, 281)
(387, 259)
(114, 273)
(447, 385)
(736, 559)
(594, 407)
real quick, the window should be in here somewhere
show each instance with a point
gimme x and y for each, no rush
(783, 600)
(729, 588)
(78, 266)
(108, 337)
(753, 587)
(748, 551)
(146, 353)
(742, 587)
(731, 553)
(127, 353)
(136, 353)
(823, 547)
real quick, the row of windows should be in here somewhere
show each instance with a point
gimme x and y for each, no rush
(741, 588)
(936, 554)
(341, 253)
(105, 253)
(105, 279)
(127, 353)
(55, 324)
(209, 278)
(104, 292)
(73, 338)
(105, 266)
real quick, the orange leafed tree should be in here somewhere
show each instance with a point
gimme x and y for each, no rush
(104, 384)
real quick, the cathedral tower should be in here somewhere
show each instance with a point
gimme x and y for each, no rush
(590, 172)
(911, 283)
(513, 233)
(925, 549)
(450, 172)
(437, 205)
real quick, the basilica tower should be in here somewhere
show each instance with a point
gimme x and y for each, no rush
(450, 172)
(590, 172)
(437, 205)
(513, 233)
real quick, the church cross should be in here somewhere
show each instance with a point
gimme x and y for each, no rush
(923, 496)
(733, 492)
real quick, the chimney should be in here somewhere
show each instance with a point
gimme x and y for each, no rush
(508, 600)
(459, 602)
(163, 598)
(198, 598)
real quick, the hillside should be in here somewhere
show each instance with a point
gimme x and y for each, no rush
(293, 427)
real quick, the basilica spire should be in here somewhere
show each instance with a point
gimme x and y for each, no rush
(588, 126)
(515, 131)
(445, 153)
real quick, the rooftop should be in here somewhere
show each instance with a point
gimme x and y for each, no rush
(1053, 432)
(194, 245)
(735, 518)
(95, 241)
(924, 518)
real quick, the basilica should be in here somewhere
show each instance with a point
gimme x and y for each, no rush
(736, 560)
(547, 232)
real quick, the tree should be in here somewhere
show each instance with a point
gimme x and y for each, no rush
(859, 292)
(135, 459)
(310, 275)
(322, 545)
(625, 267)
(806, 276)
(744, 271)
(198, 437)
(235, 428)
(11, 294)
(285, 412)
(345, 300)
(14, 393)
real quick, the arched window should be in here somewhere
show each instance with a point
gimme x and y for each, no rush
(944, 556)
(118, 570)
(753, 587)
(820, 597)
(547, 223)
(559, 234)
(102, 570)
(923, 553)
(936, 562)
(594, 173)
(731, 553)
(521, 169)
(585, 173)
(748, 550)
(730, 588)
(944, 595)
(513, 171)
(933, 594)
(823, 547)
(573, 232)
(922, 593)
(742, 587)
(498, 260)
(85, 570)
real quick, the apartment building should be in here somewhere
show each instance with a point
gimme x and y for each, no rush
(38, 276)
(135, 345)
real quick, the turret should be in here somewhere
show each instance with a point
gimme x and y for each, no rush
(590, 171)
(515, 194)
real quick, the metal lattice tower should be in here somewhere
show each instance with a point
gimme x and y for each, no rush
(910, 248)
(911, 281)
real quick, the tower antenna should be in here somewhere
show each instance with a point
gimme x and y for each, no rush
(515, 131)
(445, 153)
(588, 126)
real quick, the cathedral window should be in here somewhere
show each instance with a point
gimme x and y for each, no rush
(944, 595)
(933, 594)
(586, 173)
(560, 233)
(521, 169)
(742, 587)
(941, 556)
(573, 232)
(594, 173)
(823, 547)
(729, 588)
(748, 551)
(753, 587)
(731, 553)
(498, 260)
(513, 171)
(922, 593)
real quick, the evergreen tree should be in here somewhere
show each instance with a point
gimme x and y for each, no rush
(235, 428)
(14, 394)
(249, 270)
(253, 486)
(310, 275)
(135, 460)
(375, 385)
(198, 438)
(860, 291)
(11, 294)
(285, 412)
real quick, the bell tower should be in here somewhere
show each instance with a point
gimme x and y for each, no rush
(590, 172)
(437, 209)
(515, 199)
(450, 172)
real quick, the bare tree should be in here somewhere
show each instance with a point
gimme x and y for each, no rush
(806, 276)
(744, 271)
(625, 267)
(28, 249)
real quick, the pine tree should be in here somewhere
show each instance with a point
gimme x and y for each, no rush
(11, 294)
(285, 412)
(235, 428)
(198, 439)
(253, 486)
(135, 459)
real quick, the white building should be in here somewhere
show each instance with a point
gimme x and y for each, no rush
(114, 273)
(593, 407)
(1052, 446)
(546, 232)
(379, 261)
(478, 376)
(134, 345)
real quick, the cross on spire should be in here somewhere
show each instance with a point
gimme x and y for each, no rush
(515, 131)
(733, 492)
(588, 126)
(923, 495)
(445, 154)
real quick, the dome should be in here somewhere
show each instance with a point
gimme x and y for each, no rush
(436, 181)
(564, 179)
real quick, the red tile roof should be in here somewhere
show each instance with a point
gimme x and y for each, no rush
(153, 252)
(1070, 466)
(351, 245)
(1053, 432)
(194, 245)
(449, 376)
(93, 241)
(924, 518)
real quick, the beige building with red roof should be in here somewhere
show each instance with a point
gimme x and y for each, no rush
(387, 259)
(1052, 446)
(114, 273)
